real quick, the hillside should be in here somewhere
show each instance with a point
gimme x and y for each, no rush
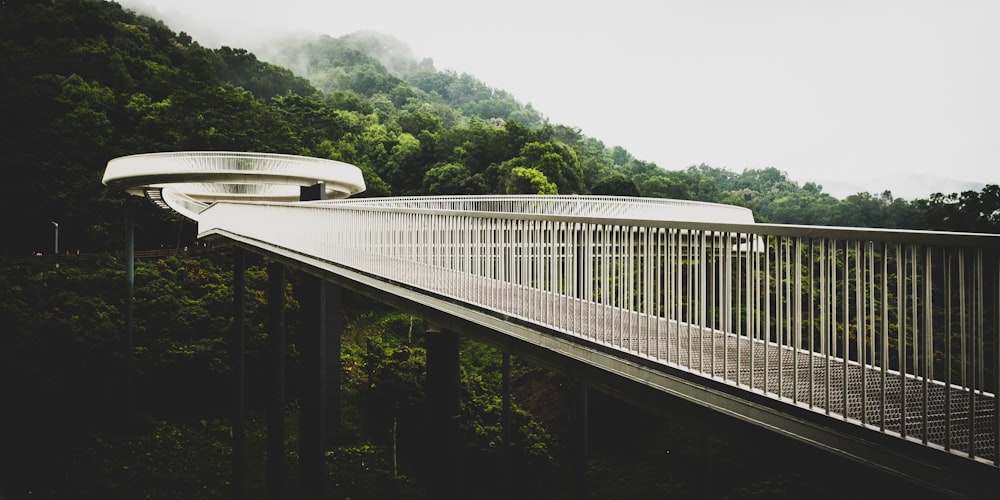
(87, 81)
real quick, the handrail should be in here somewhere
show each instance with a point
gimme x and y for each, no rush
(662, 217)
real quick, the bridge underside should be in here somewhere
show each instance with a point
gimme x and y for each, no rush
(658, 386)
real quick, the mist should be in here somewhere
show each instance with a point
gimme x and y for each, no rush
(889, 95)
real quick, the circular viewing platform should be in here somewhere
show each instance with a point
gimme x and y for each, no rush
(188, 181)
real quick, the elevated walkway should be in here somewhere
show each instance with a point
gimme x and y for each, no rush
(875, 345)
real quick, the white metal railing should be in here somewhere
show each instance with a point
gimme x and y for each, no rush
(617, 207)
(892, 330)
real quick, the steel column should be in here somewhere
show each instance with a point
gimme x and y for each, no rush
(580, 431)
(443, 413)
(320, 358)
(237, 350)
(276, 410)
(505, 424)
(313, 358)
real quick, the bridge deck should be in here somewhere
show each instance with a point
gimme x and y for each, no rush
(872, 397)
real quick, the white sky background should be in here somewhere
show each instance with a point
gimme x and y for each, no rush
(900, 95)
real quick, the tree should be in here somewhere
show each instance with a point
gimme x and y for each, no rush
(406, 165)
(242, 69)
(450, 178)
(368, 80)
(523, 180)
(968, 211)
(416, 121)
(555, 160)
(315, 121)
(615, 184)
(866, 210)
(659, 186)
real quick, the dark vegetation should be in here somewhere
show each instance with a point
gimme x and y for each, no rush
(85, 81)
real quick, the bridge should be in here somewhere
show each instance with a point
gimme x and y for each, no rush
(875, 345)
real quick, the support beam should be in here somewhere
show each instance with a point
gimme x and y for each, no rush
(276, 410)
(237, 348)
(443, 414)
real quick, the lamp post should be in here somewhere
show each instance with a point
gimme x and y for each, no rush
(56, 225)
(56, 254)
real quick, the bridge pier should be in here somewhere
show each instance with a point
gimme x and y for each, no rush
(319, 412)
(237, 348)
(320, 358)
(276, 409)
(581, 438)
(506, 478)
(443, 413)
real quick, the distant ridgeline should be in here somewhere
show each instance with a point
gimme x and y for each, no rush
(86, 81)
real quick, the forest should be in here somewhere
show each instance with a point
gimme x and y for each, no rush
(85, 81)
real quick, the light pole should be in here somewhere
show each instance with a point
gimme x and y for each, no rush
(56, 255)
(56, 225)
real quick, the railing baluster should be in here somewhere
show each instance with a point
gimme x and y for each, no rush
(861, 334)
(885, 339)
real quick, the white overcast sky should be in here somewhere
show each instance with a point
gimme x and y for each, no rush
(856, 95)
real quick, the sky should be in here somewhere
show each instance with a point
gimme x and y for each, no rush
(854, 95)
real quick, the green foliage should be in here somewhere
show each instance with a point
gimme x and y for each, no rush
(966, 211)
(526, 180)
(242, 69)
(615, 184)
(450, 178)
(363, 471)
(866, 210)
(158, 462)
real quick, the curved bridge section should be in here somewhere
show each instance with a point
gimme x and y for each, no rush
(876, 345)
(598, 207)
(188, 182)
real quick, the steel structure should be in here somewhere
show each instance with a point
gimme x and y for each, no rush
(892, 334)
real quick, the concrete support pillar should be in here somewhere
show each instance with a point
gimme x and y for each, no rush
(443, 414)
(335, 330)
(313, 337)
(237, 348)
(320, 359)
(580, 431)
(706, 454)
(507, 432)
(276, 408)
